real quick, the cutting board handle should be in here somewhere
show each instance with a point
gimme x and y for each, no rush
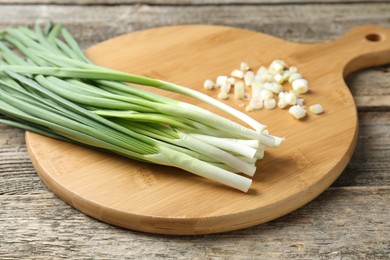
(361, 47)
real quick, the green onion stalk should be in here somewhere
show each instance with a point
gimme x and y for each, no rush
(48, 86)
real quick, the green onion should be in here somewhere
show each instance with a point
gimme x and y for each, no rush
(53, 89)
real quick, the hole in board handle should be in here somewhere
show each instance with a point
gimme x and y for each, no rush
(373, 37)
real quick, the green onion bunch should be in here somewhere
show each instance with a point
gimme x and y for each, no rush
(48, 86)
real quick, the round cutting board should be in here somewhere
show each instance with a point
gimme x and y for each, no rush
(168, 200)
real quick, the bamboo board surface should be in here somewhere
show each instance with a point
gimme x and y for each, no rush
(167, 200)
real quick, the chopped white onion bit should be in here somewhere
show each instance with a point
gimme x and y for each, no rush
(256, 103)
(277, 66)
(208, 84)
(262, 71)
(294, 92)
(294, 76)
(290, 98)
(266, 94)
(244, 66)
(239, 90)
(297, 111)
(223, 95)
(300, 85)
(237, 74)
(221, 80)
(270, 103)
(268, 86)
(263, 78)
(282, 103)
(225, 87)
(273, 87)
(249, 78)
(316, 109)
(231, 81)
(293, 69)
(286, 75)
(249, 108)
(276, 87)
(279, 78)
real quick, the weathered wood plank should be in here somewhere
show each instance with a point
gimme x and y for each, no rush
(184, 2)
(371, 88)
(368, 166)
(369, 81)
(17, 175)
(348, 223)
(10, 136)
(370, 162)
(302, 23)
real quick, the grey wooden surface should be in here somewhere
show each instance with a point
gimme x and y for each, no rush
(348, 221)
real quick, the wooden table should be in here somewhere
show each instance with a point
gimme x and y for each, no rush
(348, 221)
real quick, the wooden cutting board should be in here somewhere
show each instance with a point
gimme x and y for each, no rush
(167, 200)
